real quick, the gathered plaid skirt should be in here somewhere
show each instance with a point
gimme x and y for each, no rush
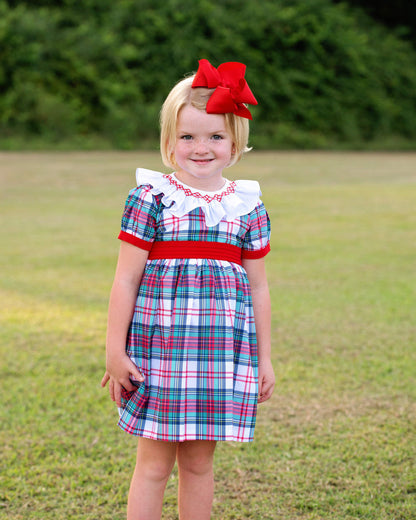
(193, 337)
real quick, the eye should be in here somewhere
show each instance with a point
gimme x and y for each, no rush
(186, 137)
(217, 137)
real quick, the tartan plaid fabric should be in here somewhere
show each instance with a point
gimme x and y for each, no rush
(192, 333)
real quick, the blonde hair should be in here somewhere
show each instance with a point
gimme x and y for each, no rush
(183, 94)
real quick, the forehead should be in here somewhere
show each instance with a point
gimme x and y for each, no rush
(190, 117)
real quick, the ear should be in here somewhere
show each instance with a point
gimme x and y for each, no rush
(172, 159)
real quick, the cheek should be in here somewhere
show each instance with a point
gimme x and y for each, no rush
(182, 146)
(180, 151)
(229, 150)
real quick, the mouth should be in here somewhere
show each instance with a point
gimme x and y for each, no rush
(202, 161)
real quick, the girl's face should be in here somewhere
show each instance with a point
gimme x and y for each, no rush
(203, 148)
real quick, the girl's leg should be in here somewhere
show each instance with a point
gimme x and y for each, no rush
(155, 461)
(196, 479)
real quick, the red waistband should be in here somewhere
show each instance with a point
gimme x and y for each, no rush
(193, 249)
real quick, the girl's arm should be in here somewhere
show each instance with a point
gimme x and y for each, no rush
(119, 367)
(256, 273)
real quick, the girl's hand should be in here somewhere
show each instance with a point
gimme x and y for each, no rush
(118, 375)
(266, 381)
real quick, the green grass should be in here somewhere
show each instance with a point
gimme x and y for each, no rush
(338, 439)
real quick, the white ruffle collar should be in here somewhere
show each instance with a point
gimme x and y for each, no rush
(235, 199)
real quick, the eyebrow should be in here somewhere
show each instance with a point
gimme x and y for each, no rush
(181, 131)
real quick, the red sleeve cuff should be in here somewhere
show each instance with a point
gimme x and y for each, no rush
(258, 253)
(138, 242)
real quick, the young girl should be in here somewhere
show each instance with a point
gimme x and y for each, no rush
(188, 344)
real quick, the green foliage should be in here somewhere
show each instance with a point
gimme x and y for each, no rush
(400, 14)
(95, 73)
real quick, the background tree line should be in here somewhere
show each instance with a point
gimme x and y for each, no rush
(94, 73)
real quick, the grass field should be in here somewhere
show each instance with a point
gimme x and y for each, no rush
(338, 439)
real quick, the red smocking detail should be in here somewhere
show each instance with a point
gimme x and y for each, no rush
(208, 198)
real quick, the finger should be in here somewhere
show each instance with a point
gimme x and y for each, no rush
(265, 385)
(135, 372)
(111, 390)
(264, 397)
(105, 379)
(129, 386)
(117, 394)
(266, 392)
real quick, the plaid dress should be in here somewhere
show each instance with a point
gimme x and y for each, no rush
(192, 333)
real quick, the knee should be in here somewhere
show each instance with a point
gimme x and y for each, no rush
(155, 460)
(155, 470)
(197, 462)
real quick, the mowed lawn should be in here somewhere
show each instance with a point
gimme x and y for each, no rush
(337, 440)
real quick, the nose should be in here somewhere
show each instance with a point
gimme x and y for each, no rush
(201, 147)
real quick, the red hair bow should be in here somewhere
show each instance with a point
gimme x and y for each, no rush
(231, 89)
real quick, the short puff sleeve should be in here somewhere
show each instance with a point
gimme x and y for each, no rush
(138, 224)
(257, 239)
